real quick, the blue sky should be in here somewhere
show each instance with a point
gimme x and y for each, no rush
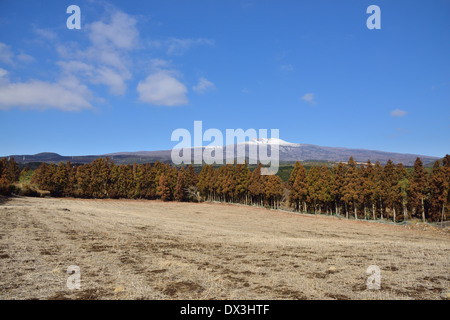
(138, 70)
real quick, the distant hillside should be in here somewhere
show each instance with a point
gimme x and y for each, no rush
(288, 153)
(431, 163)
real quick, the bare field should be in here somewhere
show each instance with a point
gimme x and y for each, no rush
(154, 250)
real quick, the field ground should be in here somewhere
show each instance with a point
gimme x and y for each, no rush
(130, 249)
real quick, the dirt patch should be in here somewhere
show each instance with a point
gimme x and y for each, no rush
(156, 250)
(337, 296)
(158, 271)
(183, 287)
(390, 268)
(286, 293)
(88, 294)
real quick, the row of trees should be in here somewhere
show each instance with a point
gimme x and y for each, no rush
(370, 191)
(9, 173)
(236, 183)
(104, 179)
(373, 191)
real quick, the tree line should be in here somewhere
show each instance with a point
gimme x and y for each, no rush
(373, 191)
(369, 191)
(9, 173)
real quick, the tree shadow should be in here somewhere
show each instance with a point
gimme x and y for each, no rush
(3, 200)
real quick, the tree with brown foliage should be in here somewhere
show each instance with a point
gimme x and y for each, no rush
(379, 192)
(299, 189)
(439, 190)
(242, 182)
(180, 188)
(390, 188)
(9, 173)
(403, 189)
(256, 186)
(352, 190)
(164, 189)
(419, 188)
(368, 189)
(339, 180)
(273, 191)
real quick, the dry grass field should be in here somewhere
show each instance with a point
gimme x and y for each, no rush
(154, 250)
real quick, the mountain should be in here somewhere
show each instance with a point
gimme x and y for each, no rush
(291, 152)
(288, 152)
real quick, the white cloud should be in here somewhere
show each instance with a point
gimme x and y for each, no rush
(67, 95)
(179, 46)
(287, 67)
(398, 113)
(247, 5)
(26, 58)
(403, 130)
(111, 78)
(203, 85)
(309, 97)
(6, 55)
(120, 33)
(106, 61)
(45, 33)
(159, 63)
(162, 89)
(3, 72)
(74, 66)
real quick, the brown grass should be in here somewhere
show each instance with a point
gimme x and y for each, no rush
(153, 250)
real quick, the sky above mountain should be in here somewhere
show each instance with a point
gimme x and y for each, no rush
(138, 70)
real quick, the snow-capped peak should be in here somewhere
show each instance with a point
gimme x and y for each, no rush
(269, 141)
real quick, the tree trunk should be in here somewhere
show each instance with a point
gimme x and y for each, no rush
(381, 209)
(356, 213)
(423, 211)
(373, 211)
(394, 213)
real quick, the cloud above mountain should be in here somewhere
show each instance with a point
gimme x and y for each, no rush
(109, 54)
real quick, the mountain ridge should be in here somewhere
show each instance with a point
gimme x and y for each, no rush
(288, 152)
